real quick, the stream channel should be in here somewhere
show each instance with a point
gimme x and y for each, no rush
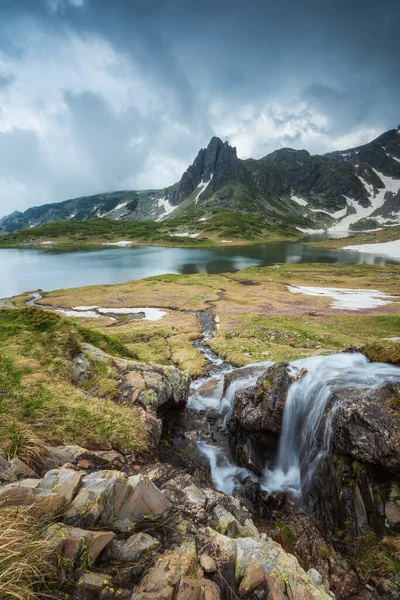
(200, 433)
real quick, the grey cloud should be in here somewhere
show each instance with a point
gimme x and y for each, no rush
(262, 74)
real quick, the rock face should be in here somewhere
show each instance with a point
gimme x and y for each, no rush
(256, 419)
(269, 186)
(353, 491)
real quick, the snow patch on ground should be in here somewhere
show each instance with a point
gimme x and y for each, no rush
(168, 208)
(203, 219)
(344, 298)
(391, 249)
(299, 201)
(94, 312)
(47, 243)
(202, 187)
(227, 241)
(121, 244)
(187, 235)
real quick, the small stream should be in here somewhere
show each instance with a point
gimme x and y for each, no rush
(307, 419)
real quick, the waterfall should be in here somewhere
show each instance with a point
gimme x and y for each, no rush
(307, 419)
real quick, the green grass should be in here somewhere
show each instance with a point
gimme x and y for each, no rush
(378, 557)
(219, 225)
(40, 405)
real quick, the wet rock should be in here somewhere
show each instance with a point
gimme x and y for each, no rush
(256, 418)
(209, 387)
(133, 548)
(365, 429)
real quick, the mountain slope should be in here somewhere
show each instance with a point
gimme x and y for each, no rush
(358, 188)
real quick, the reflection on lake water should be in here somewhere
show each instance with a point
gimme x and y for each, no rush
(51, 269)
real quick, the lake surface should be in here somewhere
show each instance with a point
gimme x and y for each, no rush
(50, 269)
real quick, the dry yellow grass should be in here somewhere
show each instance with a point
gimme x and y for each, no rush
(26, 571)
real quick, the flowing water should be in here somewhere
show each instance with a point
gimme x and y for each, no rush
(307, 419)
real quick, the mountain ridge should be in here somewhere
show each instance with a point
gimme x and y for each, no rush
(357, 189)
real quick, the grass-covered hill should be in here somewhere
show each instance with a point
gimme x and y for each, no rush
(210, 230)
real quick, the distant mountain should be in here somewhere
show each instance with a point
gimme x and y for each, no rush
(358, 188)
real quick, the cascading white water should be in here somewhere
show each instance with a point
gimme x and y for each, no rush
(307, 419)
(306, 428)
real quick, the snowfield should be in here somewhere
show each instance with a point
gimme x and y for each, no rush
(345, 298)
(391, 249)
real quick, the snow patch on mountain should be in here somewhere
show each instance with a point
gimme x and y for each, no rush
(299, 201)
(202, 187)
(377, 200)
(164, 204)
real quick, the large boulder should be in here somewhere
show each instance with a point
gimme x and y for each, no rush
(256, 418)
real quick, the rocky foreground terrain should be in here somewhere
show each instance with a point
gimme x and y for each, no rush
(139, 518)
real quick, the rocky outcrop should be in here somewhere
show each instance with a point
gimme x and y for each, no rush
(197, 543)
(256, 419)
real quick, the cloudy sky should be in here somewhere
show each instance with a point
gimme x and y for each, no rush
(99, 95)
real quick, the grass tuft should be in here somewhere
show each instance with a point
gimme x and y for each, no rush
(26, 571)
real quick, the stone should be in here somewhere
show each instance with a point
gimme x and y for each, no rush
(209, 387)
(284, 577)
(211, 591)
(392, 513)
(253, 578)
(164, 594)
(38, 502)
(189, 589)
(94, 503)
(134, 547)
(60, 455)
(28, 483)
(225, 548)
(225, 522)
(177, 563)
(208, 564)
(143, 499)
(20, 470)
(74, 543)
(94, 582)
(315, 577)
(62, 481)
(195, 496)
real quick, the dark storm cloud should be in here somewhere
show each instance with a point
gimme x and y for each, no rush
(98, 94)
